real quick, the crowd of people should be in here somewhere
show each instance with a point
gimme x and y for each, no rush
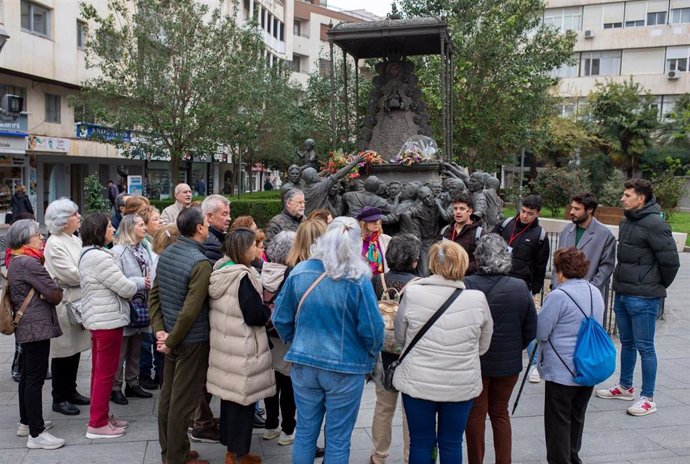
(302, 316)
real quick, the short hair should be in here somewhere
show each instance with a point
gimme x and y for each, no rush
(121, 200)
(641, 187)
(532, 202)
(462, 197)
(259, 236)
(213, 203)
(322, 214)
(404, 250)
(188, 219)
(134, 204)
(571, 262)
(307, 233)
(237, 243)
(166, 236)
(125, 231)
(58, 213)
(492, 255)
(448, 259)
(587, 199)
(243, 221)
(178, 187)
(292, 193)
(21, 231)
(147, 213)
(280, 246)
(93, 228)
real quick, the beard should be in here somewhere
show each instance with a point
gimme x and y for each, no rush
(580, 219)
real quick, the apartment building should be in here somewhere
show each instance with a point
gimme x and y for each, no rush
(648, 40)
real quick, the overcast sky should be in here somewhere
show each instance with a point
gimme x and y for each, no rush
(378, 7)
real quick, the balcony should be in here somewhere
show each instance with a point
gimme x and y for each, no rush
(275, 44)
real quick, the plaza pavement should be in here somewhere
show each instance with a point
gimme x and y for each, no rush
(610, 435)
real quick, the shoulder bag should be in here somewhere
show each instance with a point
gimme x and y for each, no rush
(9, 321)
(390, 370)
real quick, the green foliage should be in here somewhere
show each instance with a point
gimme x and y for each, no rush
(623, 117)
(669, 189)
(557, 185)
(612, 189)
(562, 139)
(503, 59)
(96, 202)
(676, 129)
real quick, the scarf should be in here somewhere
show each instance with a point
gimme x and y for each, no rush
(140, 254)
(30, 252)
(371, 250)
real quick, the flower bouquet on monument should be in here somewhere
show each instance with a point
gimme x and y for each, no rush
(418, 149)
(369, 157)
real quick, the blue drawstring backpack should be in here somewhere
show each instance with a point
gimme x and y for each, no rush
(595, 355)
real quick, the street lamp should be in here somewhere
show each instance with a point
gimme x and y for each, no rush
(3, 37)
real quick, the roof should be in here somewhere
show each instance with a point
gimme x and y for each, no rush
(373, 39)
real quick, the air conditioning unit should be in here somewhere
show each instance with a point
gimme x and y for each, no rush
(12, 104)
(672, 75)
(589, 34)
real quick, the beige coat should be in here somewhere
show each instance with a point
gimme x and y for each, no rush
(239, 362)
(62, 255)
(444, 364)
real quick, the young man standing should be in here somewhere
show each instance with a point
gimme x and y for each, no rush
(178, 303)
(647, 265)
(464, 231)
(592, 237)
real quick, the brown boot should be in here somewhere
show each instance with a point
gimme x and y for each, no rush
(230, 458)
(250, 459)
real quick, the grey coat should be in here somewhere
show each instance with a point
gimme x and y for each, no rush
(599, 245)
(132, 270)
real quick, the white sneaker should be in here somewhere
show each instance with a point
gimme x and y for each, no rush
(285, 439)
(44, 441)
(533, 375)
(270, 434)
(23, 429)
(642, 407)
(616, 392)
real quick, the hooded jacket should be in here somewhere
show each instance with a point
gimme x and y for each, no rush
(647, 255)
(272, 278)
(239, 362)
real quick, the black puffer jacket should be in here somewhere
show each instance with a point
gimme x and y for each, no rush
(515, 322)
(529, 254)
(647, 255)
(213, 244)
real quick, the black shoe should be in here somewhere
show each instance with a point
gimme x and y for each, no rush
(148, 383)
(49, 375)
(137, 392)
(81, 400)
(66, 408)
(16, 376)
(117, 397)
(259, 422)
(320, 452)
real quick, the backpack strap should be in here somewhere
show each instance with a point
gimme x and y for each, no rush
(505, 223)
(542, 236)
(478, 233)
(583, 313)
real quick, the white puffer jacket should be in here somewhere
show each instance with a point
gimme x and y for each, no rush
(444, 364)
(105, 290)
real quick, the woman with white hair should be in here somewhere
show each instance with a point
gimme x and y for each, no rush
(328, 311)
(62, 252)
(135, 261)
(515, 325)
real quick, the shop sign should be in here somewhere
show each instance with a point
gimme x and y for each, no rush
(135, 185)
(13, 145)
(9, 123)
(40, 143)
(106, 134)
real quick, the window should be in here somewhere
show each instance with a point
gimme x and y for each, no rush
(84, 114)
(81, 34)
(612, 25)
(296, 64)
(35, 18)
(52, 108)
(565, 19)
(638, 23)
(680, 15)
(297, 28)
(12, 90)
(567, 70)
(655, 19)
(677, 64)
(601, 63)
(275, 27)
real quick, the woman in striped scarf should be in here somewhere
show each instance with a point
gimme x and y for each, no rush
(374, 241)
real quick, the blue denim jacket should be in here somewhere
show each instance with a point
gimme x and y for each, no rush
(338, 328)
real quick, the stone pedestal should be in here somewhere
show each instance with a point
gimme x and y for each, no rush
(423, 173)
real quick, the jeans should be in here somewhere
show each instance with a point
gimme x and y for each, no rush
(31, 385)
(319, 392)
(148, 361)
(105, 353)
(421, 419)
(636, 322)
(530, 348)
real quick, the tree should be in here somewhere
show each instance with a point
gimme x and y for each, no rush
(503, 58)
(559, 140)
(624, 118)
(177, 72)
(676, 128)
(96, 202)
(557, 185)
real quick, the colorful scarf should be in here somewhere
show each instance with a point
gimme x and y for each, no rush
(371, 250)
(31, 252)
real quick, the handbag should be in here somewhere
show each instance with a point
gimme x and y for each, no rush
(390, 370)
(74, 312)
(138, 312)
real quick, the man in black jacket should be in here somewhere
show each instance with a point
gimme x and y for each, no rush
(527, 244)
(647, 265)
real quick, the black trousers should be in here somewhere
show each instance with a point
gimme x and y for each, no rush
(284, 402)
(31, 382)
(236, 425)
(564, 421)
(64, 377)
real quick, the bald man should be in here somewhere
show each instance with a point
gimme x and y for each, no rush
(183, 199)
